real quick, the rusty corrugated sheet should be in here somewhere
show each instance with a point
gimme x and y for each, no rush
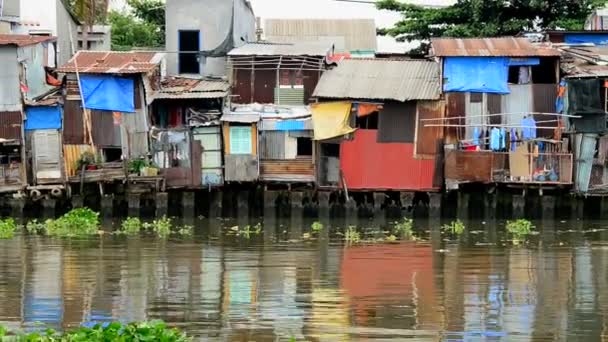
(105, 133)
(428, 137)
(467, 166)
(381, 79)
(24, 39)
(187, 88)
(455, 107)
(490, 47)
(296, 170)
(241, 86)
(544, 102)
(10, 125)
(71, 154)
(494, 107)
(100, 62)
(73, 123)
(265, 82)
(369, 165)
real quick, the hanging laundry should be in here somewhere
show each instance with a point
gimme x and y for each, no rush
(524, 75)
(513, 139)
(529, 128)
(476, 136)
(495, 139)
(365, 109)
(503, 139)
(561, 95)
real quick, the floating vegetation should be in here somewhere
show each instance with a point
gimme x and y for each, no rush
(186, 230)
(352, 235)
(35, 227)
(131, 226)
(7, 228)
(316, 227)
(455, 227)
(248, 231)
(145, 331)
(77, 222)
(405, 229)
(160, 227)
(391, 238)
(519, 229)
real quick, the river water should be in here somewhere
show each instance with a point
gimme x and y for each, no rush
(288, 282)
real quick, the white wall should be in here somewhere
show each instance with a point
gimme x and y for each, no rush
(38, 16)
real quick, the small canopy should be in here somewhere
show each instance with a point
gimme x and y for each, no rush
(241, 118)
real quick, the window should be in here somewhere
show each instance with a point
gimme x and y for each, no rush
(304, 147)
(368, 121)
(189, 46)
(240, 140)
(291, 79)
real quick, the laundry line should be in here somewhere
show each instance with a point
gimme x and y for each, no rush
(490, 125)
(502, 114)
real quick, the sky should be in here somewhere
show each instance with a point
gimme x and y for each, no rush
(330, 9)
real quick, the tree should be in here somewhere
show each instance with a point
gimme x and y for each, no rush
(486, 18)
(150, 11)
(90, 12)
(129, 31)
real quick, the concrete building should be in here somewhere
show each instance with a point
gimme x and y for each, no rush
(99, 38)
(199, 34)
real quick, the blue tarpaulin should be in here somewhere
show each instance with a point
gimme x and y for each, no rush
(290, 125)
(105, 92)
(523, 61)
(43, 117)
(477, 74)
(583, 38)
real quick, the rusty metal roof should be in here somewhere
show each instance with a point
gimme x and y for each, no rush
(24, 40)
(490, 47)
(105, 62)
(381, 79)
(584, 61)
(189, 88)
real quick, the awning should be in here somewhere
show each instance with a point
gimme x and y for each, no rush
(331, 120)
(242, 118)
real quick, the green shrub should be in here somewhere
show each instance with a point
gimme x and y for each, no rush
(146, 331)
(7, 228)
(131, 226)
(160, 227)
(352, 235)
(405, 229)
(455, 227)
(77, 222)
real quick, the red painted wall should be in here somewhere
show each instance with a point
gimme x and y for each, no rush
(369, 165)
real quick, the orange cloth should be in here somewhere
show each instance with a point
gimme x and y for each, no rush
(365, 109)
(52, 81)
(117, 116)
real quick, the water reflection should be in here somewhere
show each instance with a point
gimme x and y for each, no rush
(278, 285)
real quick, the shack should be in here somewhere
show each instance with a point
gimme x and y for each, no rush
(501, 124)
(106, 111)
(191, 106)
(240, 131)
(373, 130)
(283, 74)
(24, 82)
(584, 98)
(286, 146)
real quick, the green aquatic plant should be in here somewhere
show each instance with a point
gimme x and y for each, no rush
(352, 235)
(160, 227)
(519, 229)
(7, 228)
(144, 331)
(185, 230)
(455, 227)
(405, 229)
(248, 231)
(77, 222)
(391, 238)
(316, 226)
(35, 227)
(131, 226)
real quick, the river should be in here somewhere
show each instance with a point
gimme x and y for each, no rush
(290, 283)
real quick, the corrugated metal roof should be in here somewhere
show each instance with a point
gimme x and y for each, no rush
(275, 49)
(381, 79)
(346, 34)
(584, 61)
(243, 118)
(105, 62)
(188, 88)
(24, 40)
(490, 47)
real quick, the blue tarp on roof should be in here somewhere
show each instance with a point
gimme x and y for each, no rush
(44, 117)
(477, 74)
(583, 38)
(106, 92)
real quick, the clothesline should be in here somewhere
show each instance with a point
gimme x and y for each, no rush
(501, 114)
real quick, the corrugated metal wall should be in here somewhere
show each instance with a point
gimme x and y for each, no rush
(265, 82)
(397, 122)
(544, 102)
(241, 86)
(272, 145)
(463, 166)
(10, 95)
(105, 133)
(369, 165)
(73, 123)
(288, 96)
(455, 107)
(519, 101)
(10, 125)
(71, 154)
(34, 58)
(427, 138)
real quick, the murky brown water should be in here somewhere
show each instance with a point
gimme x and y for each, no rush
(217, 286)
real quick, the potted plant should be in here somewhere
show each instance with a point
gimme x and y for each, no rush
(87, 161)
